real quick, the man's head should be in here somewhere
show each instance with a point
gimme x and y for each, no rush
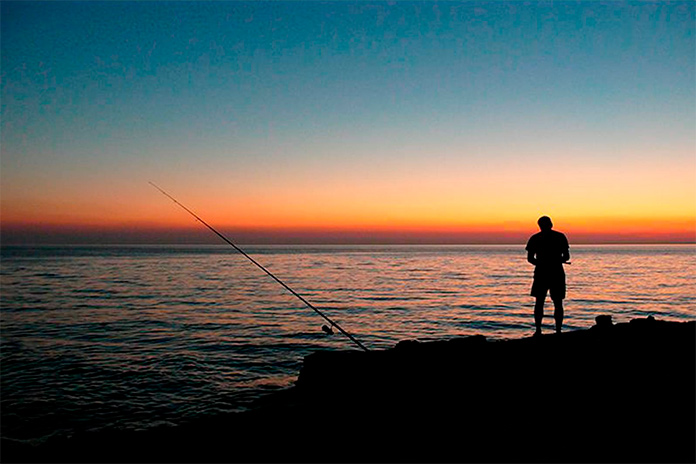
(545, 223)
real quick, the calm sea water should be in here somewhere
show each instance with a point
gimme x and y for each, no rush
(134, 337)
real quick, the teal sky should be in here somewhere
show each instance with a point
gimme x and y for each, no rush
(112, 94)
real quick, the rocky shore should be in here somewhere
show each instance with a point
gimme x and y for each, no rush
(612, 393)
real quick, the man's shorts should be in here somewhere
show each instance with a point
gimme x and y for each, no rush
(553, 282)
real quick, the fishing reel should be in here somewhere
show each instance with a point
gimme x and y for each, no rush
(327, 330)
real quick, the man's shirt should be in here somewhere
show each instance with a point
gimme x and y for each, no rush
(548, 246)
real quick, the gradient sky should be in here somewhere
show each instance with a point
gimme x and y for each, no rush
(437, 122)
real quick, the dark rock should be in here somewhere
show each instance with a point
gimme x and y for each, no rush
(406, 345)
(625, 394)
(603, 321)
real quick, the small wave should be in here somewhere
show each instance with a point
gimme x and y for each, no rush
(390, 298)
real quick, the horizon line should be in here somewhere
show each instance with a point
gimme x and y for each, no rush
(222, 244)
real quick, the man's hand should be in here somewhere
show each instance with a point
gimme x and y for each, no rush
(531, 258)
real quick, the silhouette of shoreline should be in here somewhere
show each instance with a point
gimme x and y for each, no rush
(612, 393)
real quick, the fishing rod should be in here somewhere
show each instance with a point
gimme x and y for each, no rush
(326, 329)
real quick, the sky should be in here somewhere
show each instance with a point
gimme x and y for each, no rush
(347, 122)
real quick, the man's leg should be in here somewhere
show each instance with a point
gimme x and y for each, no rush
(539, 312)
(558, 313)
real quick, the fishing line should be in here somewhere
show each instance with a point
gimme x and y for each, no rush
(327, 330)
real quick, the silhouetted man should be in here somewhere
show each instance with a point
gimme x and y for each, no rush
(548, 250)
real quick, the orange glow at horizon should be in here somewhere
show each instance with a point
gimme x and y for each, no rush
(579, 230)
(414, 196)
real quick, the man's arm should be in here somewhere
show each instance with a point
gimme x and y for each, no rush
(530, 251)
(531, 258)
(565, 256)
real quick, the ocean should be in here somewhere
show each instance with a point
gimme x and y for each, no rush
(132, 337)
